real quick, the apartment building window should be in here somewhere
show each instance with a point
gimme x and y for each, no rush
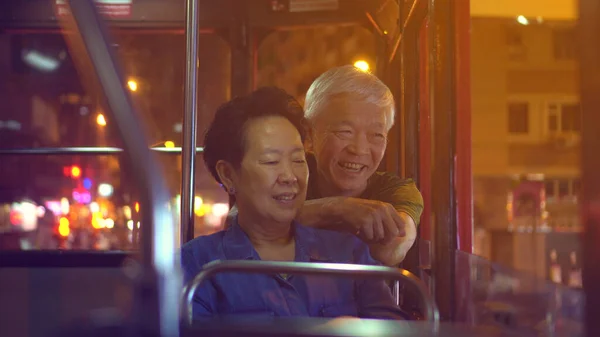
(518, 118)
(564, 44)
(515, 46)
(562, 189)
(564, 118)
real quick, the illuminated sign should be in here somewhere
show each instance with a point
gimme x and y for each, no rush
(313, 5)
(108, 8)
(82, 196)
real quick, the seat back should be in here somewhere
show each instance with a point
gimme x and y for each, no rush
(42, 291)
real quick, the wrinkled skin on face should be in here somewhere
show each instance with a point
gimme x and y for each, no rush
(349, 140)
(270, 184)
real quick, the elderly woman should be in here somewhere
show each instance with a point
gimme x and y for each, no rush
(254, 148)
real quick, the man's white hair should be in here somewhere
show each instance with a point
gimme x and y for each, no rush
(351, 81)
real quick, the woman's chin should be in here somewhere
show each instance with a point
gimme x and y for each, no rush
(285, 216)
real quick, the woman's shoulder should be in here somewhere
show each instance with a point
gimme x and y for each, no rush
(203, 249)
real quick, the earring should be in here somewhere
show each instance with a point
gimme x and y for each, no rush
(231, 190)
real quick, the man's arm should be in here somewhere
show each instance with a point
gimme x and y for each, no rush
(394, 252)
(325, 213)
(370, 219)
(374, 297)
(406, 199)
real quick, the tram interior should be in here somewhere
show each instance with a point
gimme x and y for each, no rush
(75, 207)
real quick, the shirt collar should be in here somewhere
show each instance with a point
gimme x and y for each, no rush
(237, 245)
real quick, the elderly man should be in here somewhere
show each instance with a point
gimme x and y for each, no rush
(352, 112)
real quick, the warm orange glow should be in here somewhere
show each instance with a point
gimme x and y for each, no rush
(75, 172)
(547, 9)
(137, 207)
(203, 210)
(97, 220)
(133, 86)
(362, 65)
(63, 227)
(100, 120)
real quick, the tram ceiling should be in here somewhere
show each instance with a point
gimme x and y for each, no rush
(217, 14)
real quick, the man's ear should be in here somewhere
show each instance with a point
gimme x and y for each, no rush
(309, 140)
(227, 174)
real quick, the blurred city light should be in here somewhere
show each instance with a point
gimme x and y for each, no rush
(133, 86)
(75, 172)
(100, 120)
(522, 20)
(63, 227)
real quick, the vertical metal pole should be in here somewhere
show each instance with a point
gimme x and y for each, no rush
(443, 114)
(243, 46)
(409, 102)
(188, 149)
(464, 173)
(589, 25)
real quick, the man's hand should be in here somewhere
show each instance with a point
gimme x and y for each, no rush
(394, 252)
(372, 221)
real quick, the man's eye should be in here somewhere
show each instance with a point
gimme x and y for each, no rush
(343, 133)
(272, 162)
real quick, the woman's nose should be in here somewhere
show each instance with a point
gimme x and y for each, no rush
(287, 176)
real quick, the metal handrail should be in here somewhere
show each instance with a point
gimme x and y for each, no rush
(156, 303)
(308, 268)
(84, 150)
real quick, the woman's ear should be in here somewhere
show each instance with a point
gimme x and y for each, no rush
(226, 174)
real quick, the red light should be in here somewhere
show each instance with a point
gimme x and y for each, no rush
(75, 172)
(16, 217)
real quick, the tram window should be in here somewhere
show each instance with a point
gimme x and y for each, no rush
(295, 62)
(67, 202)
(48, 101)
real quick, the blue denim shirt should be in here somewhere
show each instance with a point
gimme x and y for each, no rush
(295, 295)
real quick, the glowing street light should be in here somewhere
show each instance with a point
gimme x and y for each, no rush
(522, 20)
(133, 86)
(100, 120)
(362, 65)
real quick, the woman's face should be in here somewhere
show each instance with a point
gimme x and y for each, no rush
(271, 181)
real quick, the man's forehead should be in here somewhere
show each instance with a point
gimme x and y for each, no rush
(351, 111)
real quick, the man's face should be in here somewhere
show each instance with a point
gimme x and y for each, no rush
(349, 141)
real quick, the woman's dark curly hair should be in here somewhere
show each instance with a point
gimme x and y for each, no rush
(225, 137)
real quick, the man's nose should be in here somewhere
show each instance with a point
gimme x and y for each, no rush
(359, 145)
